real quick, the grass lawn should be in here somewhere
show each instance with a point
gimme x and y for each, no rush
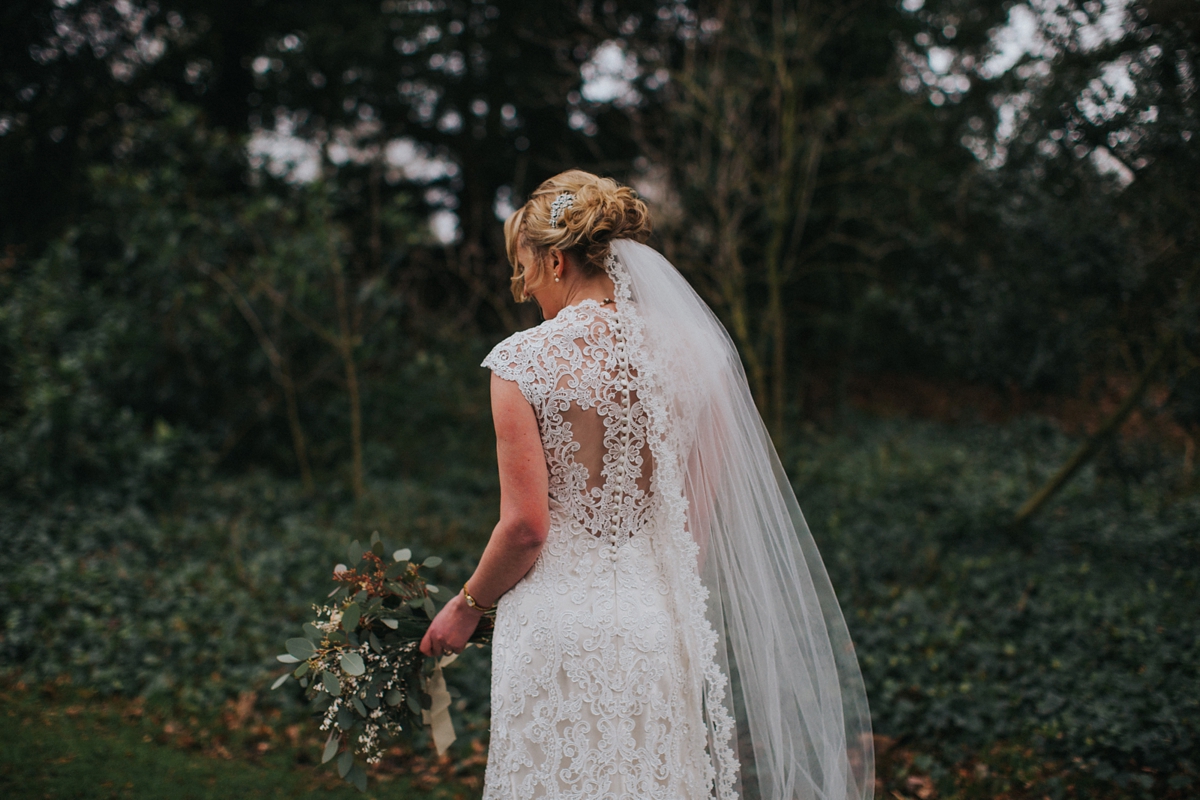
(67, 745)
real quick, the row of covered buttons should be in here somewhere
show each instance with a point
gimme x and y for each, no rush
(622, 467)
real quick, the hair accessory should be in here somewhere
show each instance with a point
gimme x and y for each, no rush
(561, 203)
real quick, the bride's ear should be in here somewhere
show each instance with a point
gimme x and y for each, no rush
(558, 262)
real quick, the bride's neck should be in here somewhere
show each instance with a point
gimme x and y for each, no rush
(558, 296)
(598, 289)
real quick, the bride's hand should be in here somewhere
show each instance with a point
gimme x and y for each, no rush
(451, 628)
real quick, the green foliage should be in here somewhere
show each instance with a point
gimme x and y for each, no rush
(189, 604)
(66, 420)
(1071, 247)
(400, 67)
(1079, 638)
(1075, 640)
(189, 320)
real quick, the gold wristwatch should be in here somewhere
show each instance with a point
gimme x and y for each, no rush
(476, 605)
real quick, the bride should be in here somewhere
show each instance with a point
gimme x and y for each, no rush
(665, 629)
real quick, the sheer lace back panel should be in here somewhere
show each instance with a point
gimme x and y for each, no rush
(595, 691)
(579, 377)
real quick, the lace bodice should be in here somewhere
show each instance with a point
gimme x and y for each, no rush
(576, 372)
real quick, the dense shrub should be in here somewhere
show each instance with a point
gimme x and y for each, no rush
(193, 605)
(1079, 637)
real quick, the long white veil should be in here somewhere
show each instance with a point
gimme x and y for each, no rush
(803, 730)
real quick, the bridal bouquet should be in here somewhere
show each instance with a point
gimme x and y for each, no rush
(359, 660)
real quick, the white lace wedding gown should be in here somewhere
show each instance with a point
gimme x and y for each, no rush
(604, 682)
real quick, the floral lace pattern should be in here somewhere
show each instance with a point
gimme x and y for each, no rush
(604, 679)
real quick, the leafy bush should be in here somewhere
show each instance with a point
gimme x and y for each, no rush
(192, 605)
(72, 415)
(1079, 638)
(188, 319)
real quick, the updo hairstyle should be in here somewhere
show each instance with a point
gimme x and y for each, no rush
(602, 210)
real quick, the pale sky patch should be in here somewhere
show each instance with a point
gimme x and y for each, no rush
(609, 74)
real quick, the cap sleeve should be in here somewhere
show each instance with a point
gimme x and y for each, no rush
(512, 361)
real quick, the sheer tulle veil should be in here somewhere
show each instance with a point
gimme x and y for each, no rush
(803, 729)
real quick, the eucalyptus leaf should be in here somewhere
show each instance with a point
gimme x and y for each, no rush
(354, 552)
(332, 684)
(345, 762)
(352, 664)
(393, 697)
(312, 633)
(373, 640)
(302, 649)
(359, 707)
(429, 587)
(414, 703)
(280, 681)
(287, 658)
(331, 747)
(391, 623)
(301, 670)
(350, 617)
(431, 562)
(345, 719)
(430, 611)
(358, 776)
(375, 538)
(402, 555)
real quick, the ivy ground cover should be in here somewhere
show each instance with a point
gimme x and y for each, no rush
(1058, 660)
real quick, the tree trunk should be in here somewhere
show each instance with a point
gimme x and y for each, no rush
(1088, 450)
(279, 370)
(345, 343)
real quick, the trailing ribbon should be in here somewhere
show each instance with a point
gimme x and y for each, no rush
(437, 716)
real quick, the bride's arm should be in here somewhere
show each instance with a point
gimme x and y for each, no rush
(524, 496)
(524, 522)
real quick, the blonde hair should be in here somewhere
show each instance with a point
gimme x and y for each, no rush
(602, 210)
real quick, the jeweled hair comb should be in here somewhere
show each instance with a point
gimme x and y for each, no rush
(560, 204)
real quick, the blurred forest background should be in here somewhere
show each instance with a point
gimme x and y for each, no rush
(251, 254)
